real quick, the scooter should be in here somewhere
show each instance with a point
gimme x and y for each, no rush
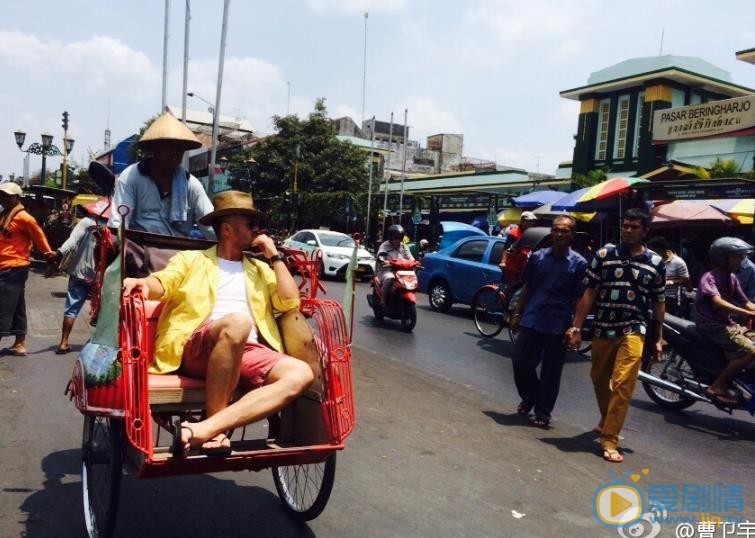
(401, 302)
(689, 364)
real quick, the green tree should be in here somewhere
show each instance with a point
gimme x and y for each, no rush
(592, 177)
(719, 169)
(305, 152)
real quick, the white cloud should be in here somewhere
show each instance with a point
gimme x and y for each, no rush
(344, 110)
(426, 117)
(351, 6)
(513, 21)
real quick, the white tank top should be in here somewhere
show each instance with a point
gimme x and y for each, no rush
(231, 294)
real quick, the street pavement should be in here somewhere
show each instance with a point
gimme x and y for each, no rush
(430, 457)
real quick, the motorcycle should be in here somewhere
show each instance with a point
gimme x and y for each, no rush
(401, 302)
(689, 364)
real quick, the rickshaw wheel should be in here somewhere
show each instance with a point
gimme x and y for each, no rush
(304, 490)
(101, 473)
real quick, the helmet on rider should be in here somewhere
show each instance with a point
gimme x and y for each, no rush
(723, 247)
(395, 231)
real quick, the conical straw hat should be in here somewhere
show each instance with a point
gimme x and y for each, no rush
(168, 128)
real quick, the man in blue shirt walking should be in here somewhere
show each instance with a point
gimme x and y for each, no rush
(553, 282)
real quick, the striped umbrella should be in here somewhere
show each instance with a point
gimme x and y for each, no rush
(599, 196)
(535, 199)
(741, 209)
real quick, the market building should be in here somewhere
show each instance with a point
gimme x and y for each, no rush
(641, 115)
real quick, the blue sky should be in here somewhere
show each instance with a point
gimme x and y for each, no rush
(489, 69)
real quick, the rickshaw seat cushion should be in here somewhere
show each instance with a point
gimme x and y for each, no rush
(173, 381)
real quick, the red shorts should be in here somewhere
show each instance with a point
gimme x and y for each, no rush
(256, 362)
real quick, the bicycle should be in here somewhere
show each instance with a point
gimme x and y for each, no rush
(494, 305)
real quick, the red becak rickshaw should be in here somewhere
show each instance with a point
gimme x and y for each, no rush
(128, 413)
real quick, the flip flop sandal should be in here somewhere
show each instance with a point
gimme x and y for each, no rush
(12, 352)
(721, 400)
(177, 448)
(541, 422)
(598, 429)
(612, 455)
(217, 451)
(524, 408)
(62, 350)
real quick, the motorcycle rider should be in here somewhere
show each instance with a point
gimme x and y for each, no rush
(717, 297)
(392, 248)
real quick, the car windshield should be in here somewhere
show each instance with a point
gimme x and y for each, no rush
(336, 240)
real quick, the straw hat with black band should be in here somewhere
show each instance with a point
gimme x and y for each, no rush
(229, 203)
(167, 128)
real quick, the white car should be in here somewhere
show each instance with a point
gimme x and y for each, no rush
(336, 252)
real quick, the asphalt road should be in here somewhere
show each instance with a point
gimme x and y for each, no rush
(438, 450)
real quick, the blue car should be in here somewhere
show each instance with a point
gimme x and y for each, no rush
(455, 273)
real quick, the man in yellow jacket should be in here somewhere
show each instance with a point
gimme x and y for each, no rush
(217, 319)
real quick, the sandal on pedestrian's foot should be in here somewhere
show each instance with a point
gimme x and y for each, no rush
(178, 448)
(220, 450)
(598, 429)
(612, 455)
(541, 422)
(524, 408)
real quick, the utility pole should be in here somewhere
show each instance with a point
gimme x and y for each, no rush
(216, 116)
(369, 188)
(388, 171)
(364, 67)
(165, 57)
(403, 169)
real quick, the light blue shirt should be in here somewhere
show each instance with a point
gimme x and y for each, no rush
(746, 277)
(150, 212)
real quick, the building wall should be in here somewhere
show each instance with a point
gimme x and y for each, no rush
(705, 152)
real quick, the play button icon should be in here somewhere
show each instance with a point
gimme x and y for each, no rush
(618, 504)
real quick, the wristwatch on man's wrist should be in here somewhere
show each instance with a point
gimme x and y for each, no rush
(277, 257)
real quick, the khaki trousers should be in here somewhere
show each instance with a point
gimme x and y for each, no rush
(615, 366)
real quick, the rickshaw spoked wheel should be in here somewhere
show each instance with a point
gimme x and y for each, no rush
(304, 490)
(102, 463)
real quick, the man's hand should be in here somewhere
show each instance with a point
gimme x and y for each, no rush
(657, 352)
(131, 285)
(266, 244)
(514, 322)
(51, 256)
(573, 338)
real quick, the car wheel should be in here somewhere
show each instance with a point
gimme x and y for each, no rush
(440, 296)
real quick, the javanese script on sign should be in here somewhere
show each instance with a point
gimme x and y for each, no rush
(707, 119)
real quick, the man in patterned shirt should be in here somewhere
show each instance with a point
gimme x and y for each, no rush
(624, 283)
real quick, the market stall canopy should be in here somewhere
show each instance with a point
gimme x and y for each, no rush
(452, 231)
(547, 212)
(535, 199)
(688, 212)
(741, 209)
(510, 215)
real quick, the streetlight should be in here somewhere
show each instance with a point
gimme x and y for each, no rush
(211, 167)
(45, 149)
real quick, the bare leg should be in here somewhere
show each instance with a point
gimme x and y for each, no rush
(731, 370)
(224, 365)
(286, 380)
(66, 332)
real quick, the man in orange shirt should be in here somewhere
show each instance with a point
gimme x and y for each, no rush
(18, 232)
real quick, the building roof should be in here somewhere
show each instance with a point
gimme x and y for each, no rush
(747, 55)
(686, 70)
(203, 118)
(363, 143)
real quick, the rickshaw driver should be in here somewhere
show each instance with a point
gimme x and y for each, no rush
(216, 333)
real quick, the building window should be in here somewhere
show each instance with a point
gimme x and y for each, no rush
(637, 124)
(603, 115)
(622, 122)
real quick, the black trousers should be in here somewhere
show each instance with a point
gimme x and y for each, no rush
(13, 302)
(530, 350)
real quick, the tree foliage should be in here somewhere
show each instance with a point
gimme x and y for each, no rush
(305, 153)
(719, 169)
(592, 177)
